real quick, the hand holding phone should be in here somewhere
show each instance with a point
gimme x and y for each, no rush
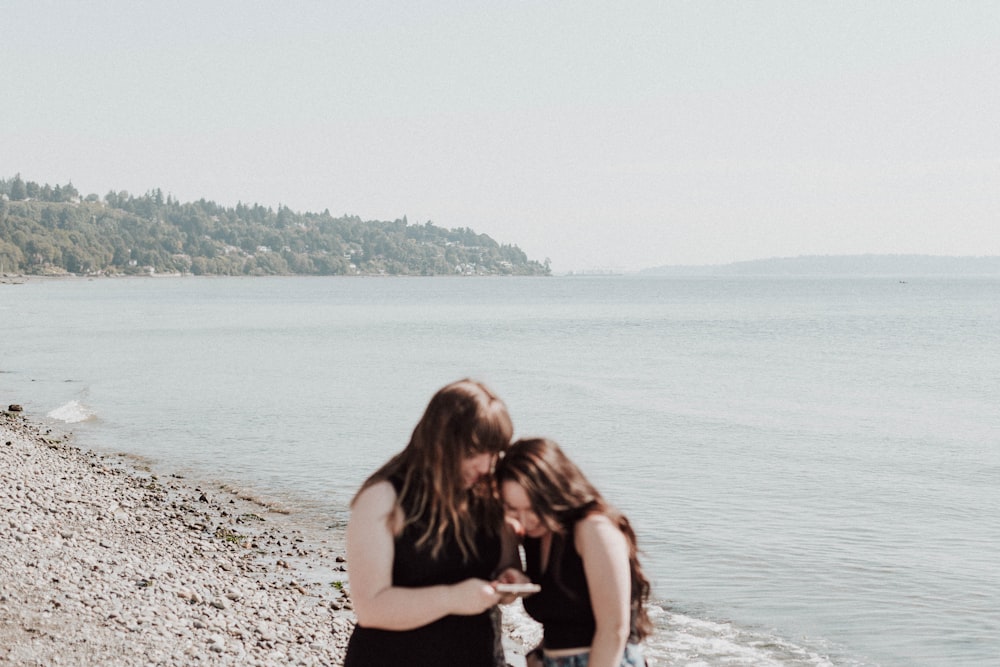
(517, 589)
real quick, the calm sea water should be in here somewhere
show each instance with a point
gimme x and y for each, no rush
(813, 466)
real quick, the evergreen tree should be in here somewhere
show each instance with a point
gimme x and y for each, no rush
(45, 228)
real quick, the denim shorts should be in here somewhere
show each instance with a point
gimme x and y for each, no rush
(632, 658)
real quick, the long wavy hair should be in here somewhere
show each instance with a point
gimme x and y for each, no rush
(463, 419)
(560, 496)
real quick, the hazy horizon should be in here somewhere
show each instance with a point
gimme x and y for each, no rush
(616, 138)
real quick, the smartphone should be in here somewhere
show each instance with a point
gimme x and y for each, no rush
(517, 589)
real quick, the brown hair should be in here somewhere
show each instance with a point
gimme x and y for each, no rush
(561, 495)
(463, 419)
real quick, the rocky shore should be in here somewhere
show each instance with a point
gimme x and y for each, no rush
(103, 562)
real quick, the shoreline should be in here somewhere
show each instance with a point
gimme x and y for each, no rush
(22, 278)
(104, 562)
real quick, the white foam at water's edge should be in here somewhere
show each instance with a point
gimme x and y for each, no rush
(684, 640)
(71, 413)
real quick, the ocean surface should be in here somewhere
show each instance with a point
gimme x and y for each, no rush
(812, 465)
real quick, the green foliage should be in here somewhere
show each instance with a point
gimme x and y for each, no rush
(231, 536)
(47, 229)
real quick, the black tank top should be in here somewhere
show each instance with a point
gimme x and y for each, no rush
(452, 641)
(563, 605)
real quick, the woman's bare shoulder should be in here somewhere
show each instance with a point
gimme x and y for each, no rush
(595, 521)
(596, 528)
(377, 496)
(376, 505)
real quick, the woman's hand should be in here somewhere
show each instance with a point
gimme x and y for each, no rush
(473, 596)
(511, 576)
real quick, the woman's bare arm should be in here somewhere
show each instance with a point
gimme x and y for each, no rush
(604, 550)
(370, 552)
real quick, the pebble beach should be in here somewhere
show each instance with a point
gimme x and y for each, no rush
(104, 563)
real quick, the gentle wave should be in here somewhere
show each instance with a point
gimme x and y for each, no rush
(72, 413)
(679, 639)
(683, 640)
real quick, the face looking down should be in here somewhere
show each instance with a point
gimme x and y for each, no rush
(476, 467)
(517, 506)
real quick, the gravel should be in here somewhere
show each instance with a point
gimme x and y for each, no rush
(102, 562)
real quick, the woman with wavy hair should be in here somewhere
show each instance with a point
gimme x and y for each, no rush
(426, 536)
(583, 554)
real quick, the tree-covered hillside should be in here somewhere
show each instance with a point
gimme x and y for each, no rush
(50, 230)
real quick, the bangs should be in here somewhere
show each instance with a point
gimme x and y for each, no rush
(493, 432)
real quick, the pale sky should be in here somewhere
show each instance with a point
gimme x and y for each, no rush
(600, 135)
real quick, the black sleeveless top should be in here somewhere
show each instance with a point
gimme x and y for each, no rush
(563, 605)
(452, 641)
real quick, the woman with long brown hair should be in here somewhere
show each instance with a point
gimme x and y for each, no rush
(426, 536)
(583, 554)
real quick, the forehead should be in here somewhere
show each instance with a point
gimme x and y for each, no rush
(514, 494)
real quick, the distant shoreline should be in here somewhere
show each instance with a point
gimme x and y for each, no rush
(19, 279)
(842, 266)
(805, 266)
